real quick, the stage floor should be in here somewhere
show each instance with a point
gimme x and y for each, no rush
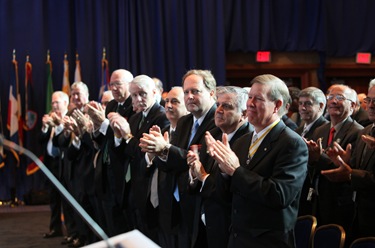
(23, 227)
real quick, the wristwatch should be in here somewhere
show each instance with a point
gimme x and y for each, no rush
(165, 150)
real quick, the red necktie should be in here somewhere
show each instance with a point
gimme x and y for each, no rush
(331, 134)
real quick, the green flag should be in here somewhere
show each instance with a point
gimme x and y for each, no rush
(49, 85)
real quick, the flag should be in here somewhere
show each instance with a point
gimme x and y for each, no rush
(30, 115)
(49, 85)
(14, 108)
(2, 154)
(77, 72)
(105, 78)
(66, 84)
(33, 167)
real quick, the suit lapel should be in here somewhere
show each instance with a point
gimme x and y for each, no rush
(266, 144)
(204, 126)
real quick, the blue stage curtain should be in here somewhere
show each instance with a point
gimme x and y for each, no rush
(161, 39)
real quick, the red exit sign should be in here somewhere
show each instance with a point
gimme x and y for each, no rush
(363, 58)
(263, 56)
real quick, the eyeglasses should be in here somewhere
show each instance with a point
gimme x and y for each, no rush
(306, 104)
(369, 100)
(338, 98)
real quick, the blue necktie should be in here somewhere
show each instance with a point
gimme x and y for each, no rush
(193, 131)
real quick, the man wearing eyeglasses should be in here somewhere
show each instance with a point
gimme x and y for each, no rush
(334, 203)
(311, 105)
(356, 167)
(110, 171)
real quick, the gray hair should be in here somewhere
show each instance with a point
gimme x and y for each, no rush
(278, 89)
(316, 94)
(371, 84)
(61, 94)
(240, 95)
(81, 85)
(144, 82)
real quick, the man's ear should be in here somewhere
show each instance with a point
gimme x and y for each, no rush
(278, 106)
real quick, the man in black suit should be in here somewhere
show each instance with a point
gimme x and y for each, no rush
(334, 203)
(360, 114)
(60, 102)
(267, 169)
(230, 118)
(127, 135)
(356, 167)
(161, 196)
(110, 165)
(312, 103)
(199, 96)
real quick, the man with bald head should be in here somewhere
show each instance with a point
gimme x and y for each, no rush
(356, 167)
(334, 202)
(109, 171)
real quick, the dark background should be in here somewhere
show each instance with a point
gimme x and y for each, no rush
(164, 39)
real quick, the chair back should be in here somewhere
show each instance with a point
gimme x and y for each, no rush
(367, 242)
(329, 236)
(304, 230)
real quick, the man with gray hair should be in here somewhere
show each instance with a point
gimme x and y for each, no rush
(334, 203)
(110, 171)
(267, 168)
(127, 139)
(230, 118)
(311, 106)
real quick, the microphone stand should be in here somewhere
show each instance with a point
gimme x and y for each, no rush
(86, 217)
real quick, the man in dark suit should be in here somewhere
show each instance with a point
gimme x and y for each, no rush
(110, 165)
(63, 137)
(267, 169)
(161, 196)
(312, 103)
(199, 96)
(127, 136)
(60, 102)
(230, 118)
(334, 202)
(360, 114)
(356, 167)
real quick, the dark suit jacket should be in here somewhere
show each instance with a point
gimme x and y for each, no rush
(305, 206)
(361, 117)
(177, 167)
(52, 163)
(140, 174)
(216, 195)
(117, 160)
(82, 164)
(363, 182)
(334, 202)
(266, 192)
(320, 121)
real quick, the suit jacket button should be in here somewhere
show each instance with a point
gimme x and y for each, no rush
(235, 211)
(235, 235)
